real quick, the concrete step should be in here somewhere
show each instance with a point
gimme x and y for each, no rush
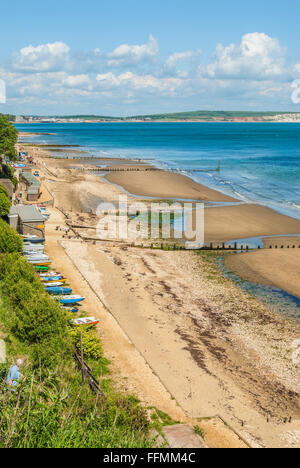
(182, 436)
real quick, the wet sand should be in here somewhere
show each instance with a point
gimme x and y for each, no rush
(243, 221)
(279, 268)
(163, 184)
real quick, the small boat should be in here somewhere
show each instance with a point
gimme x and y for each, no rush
(27, 252)
(74, 310)
(37, 258)
(33, 239)
(58, 290)
(39, 263)
(53, 284)
(40, 268)
(71, 299)
(34, 247)
(85, 321)
(49, 273)
(38, 255)
(53, 279)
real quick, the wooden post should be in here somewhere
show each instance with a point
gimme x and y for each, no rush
(81, 354)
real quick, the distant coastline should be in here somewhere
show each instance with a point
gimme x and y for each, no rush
(195, 116)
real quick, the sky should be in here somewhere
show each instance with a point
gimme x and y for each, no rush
(129, 57)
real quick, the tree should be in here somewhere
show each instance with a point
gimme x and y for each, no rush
(8, 138)
(4, 191)
(10, 241)
(4, 205)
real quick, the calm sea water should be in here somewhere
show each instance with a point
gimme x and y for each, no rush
(259, 162)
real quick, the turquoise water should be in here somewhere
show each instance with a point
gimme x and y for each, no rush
(259, 162)
(282, 302)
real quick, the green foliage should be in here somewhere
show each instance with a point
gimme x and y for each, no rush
(4, 191)
(10, 241)
(91, 344)
(207, 115)
(49, 415)
(199, 431)
(37, 320)
(4, 205)
(8, 138)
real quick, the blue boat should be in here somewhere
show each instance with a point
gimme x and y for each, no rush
(58, 291)
(73, 309)
(47, 279)
(71, 299)
(33, 239)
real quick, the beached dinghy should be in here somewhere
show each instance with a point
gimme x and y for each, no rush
(36, 255)
(85, 321)
(37, 258)
(50, 273)
(53, 279)
(39, 263)
(56, 290)
(53, 284)
(34, 247)
(39, 268)
(28, 253)
(71, 299)
(33, 239)
(74, 310)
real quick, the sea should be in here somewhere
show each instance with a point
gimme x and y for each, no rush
(259, 162)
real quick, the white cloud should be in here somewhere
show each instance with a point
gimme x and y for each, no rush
(254, 72)
(75, 81)
(132, 54)
(139, 82)
(258, 56)
(174, 59)
(45, 57)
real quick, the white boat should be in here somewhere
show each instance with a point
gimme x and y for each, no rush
(85, 321)
(35, 247)
(49, 273)
(32, 253)
(38, 256)
(54, 284)
(38, 259)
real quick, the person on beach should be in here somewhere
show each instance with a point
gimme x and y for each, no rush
(14, 375)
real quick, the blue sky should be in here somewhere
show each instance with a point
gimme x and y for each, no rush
(127, 57)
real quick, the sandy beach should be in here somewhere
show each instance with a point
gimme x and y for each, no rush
(165, 184)
(178, 333)
(279, 268)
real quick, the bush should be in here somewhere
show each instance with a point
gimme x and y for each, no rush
(4, 205)
(8, 138)
(4, 191)
(10, 241)
(37, 319)
(91, 344)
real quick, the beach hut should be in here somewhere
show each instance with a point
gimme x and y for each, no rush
(27, 220)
